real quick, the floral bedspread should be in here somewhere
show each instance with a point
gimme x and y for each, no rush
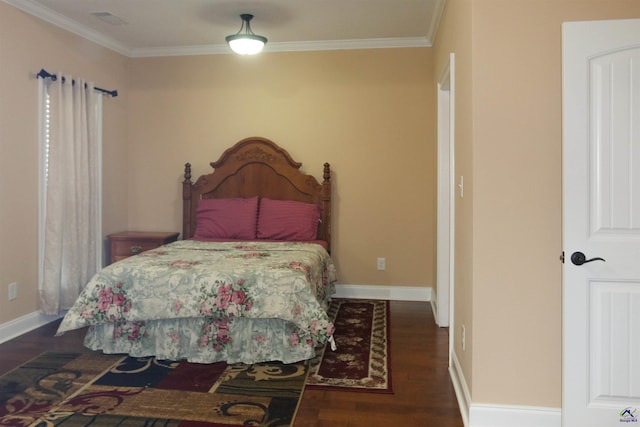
(205, 302)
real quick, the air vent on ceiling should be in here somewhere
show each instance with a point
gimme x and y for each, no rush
(109, 18)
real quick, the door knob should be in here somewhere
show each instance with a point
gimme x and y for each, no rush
(578, 258)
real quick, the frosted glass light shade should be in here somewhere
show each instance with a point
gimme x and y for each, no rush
(246, 44)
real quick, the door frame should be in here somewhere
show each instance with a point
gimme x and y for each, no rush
(445, 247)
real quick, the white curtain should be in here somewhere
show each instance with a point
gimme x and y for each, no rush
(71, 194)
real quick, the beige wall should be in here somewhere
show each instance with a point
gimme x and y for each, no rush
(369, 113)
(455, 36)
(27, 45)
(515, 149)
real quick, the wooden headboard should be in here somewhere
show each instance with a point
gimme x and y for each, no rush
(257, 167)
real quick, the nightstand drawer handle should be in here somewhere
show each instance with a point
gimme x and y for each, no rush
(136, 249)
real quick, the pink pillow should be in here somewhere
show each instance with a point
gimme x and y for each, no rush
(227, 218)
(287, 220)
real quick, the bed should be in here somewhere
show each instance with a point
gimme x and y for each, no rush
(250, 281)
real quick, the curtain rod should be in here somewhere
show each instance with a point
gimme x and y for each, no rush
(45, 74)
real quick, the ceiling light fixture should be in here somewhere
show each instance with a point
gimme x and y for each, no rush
(245, 42)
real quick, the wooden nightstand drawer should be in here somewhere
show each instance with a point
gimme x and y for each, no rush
(128, 243)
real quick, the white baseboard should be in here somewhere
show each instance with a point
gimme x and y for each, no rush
(394, 293)
(488, 415)
(24, 324)
(461, 388)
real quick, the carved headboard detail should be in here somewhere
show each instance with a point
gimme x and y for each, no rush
(257, 166)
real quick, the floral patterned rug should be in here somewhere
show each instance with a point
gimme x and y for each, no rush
(98, 390)
(361, 361)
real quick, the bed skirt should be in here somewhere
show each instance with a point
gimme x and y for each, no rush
(253, 341)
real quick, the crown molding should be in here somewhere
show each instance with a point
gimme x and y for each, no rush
(36, 9)
(436, 18)
(219, 49)
(349, 44)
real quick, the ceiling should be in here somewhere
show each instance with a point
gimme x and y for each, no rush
(188, 27)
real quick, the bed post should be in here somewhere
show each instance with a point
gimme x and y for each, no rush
(187, 232)
(326, 204)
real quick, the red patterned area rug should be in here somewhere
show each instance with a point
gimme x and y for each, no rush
(361, 361)
(97, 390)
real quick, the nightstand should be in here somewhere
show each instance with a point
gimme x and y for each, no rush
(128, 243)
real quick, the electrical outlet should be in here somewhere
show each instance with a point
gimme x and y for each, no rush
(382, 264)
(463, 338)
(13, 291)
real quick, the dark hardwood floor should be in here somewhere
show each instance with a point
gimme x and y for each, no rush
(423, 394)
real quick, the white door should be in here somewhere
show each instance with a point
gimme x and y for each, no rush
(601, 218)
